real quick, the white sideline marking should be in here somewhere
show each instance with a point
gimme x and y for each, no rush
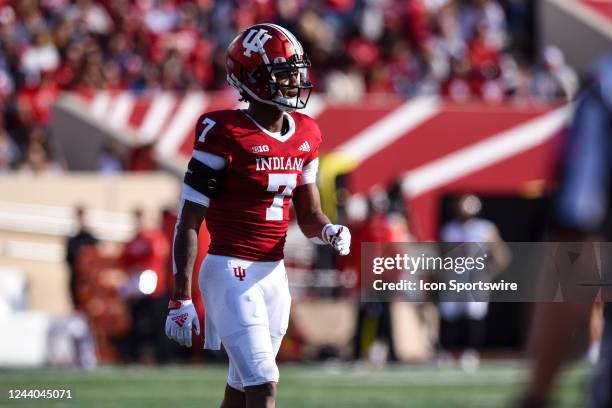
(384, 132)
(484, 153)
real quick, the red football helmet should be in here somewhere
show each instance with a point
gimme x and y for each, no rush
(258, 62)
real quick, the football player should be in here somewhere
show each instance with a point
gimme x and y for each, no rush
(581, 213)
(245, 168)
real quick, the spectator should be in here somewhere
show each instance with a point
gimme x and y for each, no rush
(142, 158)
(37, 160)
(162, 17)
(9, 153)
(81, 238)
(554, 79)
(373, 337)
(144, 260)
(345, 84)
(467, 318)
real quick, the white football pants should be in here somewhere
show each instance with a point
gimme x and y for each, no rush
(247, 305)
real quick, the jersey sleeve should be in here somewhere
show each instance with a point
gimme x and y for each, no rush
(316, 139)
(211, 156)
(311, 164)
(211, 137)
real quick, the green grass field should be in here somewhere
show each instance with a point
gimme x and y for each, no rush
(339, 386)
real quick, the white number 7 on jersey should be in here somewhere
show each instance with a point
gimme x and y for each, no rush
(209, 124)
(275, 182)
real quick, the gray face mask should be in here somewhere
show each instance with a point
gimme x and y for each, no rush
(292, 103)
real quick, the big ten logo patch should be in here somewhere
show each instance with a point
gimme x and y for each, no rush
(260, 149)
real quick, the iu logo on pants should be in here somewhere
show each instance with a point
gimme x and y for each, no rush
(239, 272)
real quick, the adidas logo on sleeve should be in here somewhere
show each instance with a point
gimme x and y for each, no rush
(304, 147)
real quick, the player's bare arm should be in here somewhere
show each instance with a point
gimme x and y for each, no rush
(310, 217)
(186, 247)
(182, 317)
(315, 224)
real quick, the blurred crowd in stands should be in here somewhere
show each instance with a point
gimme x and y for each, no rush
(464, 49)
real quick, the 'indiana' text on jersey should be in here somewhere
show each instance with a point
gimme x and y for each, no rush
(250, 216)
(279, 163)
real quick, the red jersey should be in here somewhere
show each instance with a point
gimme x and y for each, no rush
(249, 218)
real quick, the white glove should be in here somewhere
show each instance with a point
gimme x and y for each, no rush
(338, 236)
(182, 319)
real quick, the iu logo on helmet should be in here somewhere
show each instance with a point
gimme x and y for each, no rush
(254, 41)
(240, 272)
